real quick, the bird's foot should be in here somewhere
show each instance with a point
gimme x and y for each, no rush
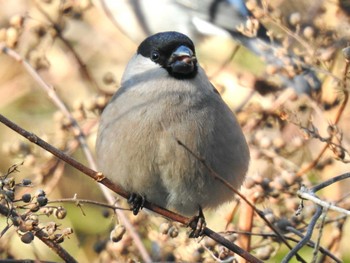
(136, 202)
(198, 224)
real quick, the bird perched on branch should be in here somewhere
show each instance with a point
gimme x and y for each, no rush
(198, 18)
(164, 121)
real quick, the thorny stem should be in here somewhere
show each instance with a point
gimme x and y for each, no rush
(99, 177)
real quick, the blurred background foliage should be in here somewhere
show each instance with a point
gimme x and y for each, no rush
(76, 49)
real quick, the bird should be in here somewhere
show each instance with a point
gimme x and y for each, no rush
(202, 18)
(164, 121)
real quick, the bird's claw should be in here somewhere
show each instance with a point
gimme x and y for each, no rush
(198, 224)
(137, 202)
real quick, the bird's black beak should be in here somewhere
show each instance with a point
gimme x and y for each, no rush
(182, 61)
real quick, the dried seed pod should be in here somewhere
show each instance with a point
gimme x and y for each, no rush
(26, 198)
(117, 233)
(16, 220)
(58, 238)
(309, 32)
(42, 200)
(17, 21)
(173, 231)
(34, 208)
(264, 253)
(11, 37)
(27, 225)
(164, 228)
(101, 101)
(34, 218)
(26, 182)
(60, 212)
(68, 231)
(27, 238)
(47, 210)
(40, 192)
(295, 19)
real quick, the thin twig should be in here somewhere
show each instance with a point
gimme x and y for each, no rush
(330, 181)
(308, 195)
(86, 201)
(306, 238)
(318, 241)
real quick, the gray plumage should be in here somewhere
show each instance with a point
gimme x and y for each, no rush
(137, 139)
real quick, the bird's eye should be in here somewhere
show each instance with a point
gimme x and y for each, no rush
(155, 56)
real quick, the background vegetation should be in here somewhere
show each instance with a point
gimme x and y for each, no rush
(80, 55)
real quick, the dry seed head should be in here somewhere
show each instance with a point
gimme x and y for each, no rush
(278, 142)
(67, 231)
(295, 19)
(11, 37)
(264, 253)
(26, 198)
(101, 101)
(17, 21)
(117, 233)
(265, 142)
(309, 32)
(60, 212)
(27, 238)
(164, 228)
(173, 231)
